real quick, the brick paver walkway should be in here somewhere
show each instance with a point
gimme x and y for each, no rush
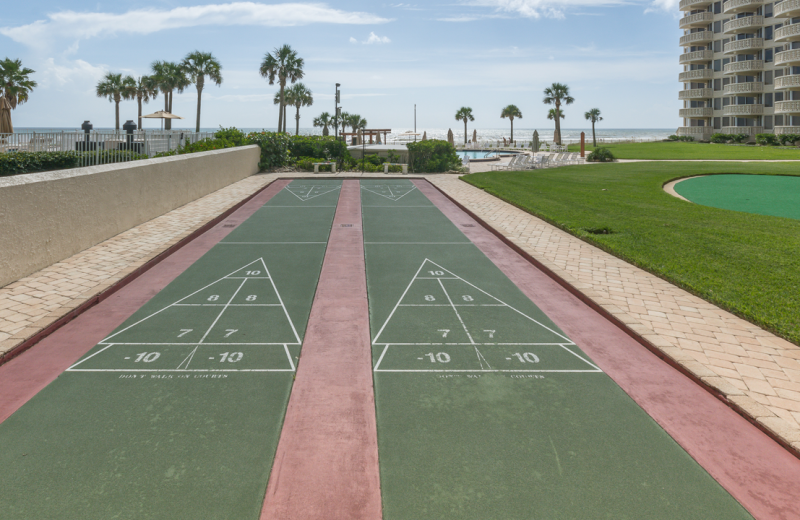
(754, 369)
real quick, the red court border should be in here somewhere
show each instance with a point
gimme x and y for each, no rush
(757, 471)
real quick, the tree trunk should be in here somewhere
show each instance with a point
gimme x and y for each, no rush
(297, 117)
(166, 109)
(199, 97)
(512, 129)
(168, 122)
(465, 130)
(558, 121)
(594, 139)
(280, 106)
(285, 119)
(116, 112)
(139, 100)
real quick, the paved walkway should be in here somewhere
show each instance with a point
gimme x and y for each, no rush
(753, 369)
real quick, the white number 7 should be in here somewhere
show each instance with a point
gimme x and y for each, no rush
(184, 332)
(230, 332)
(491, 332)
(444, 331)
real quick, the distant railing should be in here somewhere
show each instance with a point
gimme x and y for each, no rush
(101, 147)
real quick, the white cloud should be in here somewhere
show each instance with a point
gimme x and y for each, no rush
(374, 38)
(82, 72)
(669, 6)
(547, 8)
(84, 25)
(353, 40)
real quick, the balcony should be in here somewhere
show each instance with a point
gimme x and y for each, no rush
(783, 130)
(748, 24)
(788, 58)
(743, 110)
(691, 5)
(787, 107)
(752, 87)
(696, 76)
(787, 83)
(696, 57)
(749, 130)
(748, 46)
(700, 133)
(696, 113)
(689, 40)
(696, 21)
(741, 68)
(742, 6)
(695, 93)
(787, 9)
(788, 33)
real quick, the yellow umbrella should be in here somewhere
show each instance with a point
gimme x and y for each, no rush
(6, 127)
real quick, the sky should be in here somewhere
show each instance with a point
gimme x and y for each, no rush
(620, 56)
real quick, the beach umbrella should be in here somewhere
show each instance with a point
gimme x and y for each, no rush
(5, 117)
(535, 142)
(425, 135)
(450, 136)
(162, 115)
(474, 136)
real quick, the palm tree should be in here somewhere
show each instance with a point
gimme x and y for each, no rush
(464, 114)
(354, 121)
(593, 115)
(556, 94)
(277, 101)
(301, 97)
(142, 90)
(284, 65)
(113, 87)
(551, 114)
(197, 65)
(511, 112)
(323, 121)
(341, 120)
(15, 85)
(170, 77)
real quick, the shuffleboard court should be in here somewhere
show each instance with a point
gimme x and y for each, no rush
(177, 413)
(485, 408)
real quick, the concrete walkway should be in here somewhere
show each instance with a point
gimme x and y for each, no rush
(757, 372)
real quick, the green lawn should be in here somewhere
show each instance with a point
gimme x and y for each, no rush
(662, 150)
(746, 263)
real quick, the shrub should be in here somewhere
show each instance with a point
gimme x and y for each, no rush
(274, 148)
(673, 138)
(232, 134)
(739, 138)
(720, 138)
(204, 145)
(318, 146)
(684, 138)
(600, 155)
(767, 139)
(432, 156)
(307, 164)
(26, 162)
(788, 139)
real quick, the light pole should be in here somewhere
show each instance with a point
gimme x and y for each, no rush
(336, 112)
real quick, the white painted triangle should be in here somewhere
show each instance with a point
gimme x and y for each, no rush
(304, 192)
(392, 198)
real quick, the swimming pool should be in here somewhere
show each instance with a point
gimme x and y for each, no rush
(481, 154)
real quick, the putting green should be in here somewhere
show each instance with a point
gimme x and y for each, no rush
(485, 409)
(177, 413)
(772, 195)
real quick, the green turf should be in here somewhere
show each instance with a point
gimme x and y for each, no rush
(742, 262)
(670, 150)
(151, 424)
(491, 413)
(777, 196)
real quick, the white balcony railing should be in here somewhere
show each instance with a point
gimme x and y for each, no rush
(752, 87)
(696, 93)
(749, 130)
(743, 110)
(696, 76)
(696, 57)
(741, 6)
(791, 57)
(783, 130)
(788, 33)
(748, 46)
(741, 67)
(698, 132)
(689, 40)
(696, 20)
(787, 9)
(748, 24)
(691, 5)
(696, 113)
(787, 83)
(787, 107)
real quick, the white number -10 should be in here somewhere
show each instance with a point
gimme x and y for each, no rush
(527, 357)
(441, 357)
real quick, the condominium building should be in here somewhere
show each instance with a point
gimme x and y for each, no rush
(741, 67)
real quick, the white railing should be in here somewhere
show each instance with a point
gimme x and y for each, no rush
(102, 147)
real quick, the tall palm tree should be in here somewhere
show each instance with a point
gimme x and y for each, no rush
(593, 115)
(15, 85)
(170, 78)
(324, 120)
(511, 112)
(115, 88)
(465, 114)
(353, 120)
(142, 90)
(558, 94)
(286, 101)
(341, 120)
(197, 65)
(554, 114)
(284, 65)
(300, 96)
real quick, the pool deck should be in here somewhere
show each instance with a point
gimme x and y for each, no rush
(752, 370)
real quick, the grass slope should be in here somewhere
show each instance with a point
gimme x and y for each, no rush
(662, 150)
(743, 262)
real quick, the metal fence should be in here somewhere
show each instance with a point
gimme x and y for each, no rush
(103, 147)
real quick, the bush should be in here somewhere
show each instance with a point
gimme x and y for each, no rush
(720, 138)
(307, 164)
(767, 139)
(318, 146)
(432, 156)
(683, 138)
(28, 162)
(788, 139)
(739, 138)
(232, 134)
(274, 148)
(204, 145)
(600, 155)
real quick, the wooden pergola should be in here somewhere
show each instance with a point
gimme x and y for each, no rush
(371, 133)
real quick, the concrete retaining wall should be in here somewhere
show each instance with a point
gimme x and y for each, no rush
(47, 217)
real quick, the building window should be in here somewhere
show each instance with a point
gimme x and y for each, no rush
(768, 77)
(717, 103)
(726, 121)
(778, 96)
(778, 120)
(767, 100)
(768, 55)
(725, 61)
(718, 46)
(717, 124)
(767, 10)
(778, 73)
(768, 33)
(717, 84)
(717, 65)
(726, 81)
(726, 102)
(717, 7)
(767, 122)
(717, 27)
